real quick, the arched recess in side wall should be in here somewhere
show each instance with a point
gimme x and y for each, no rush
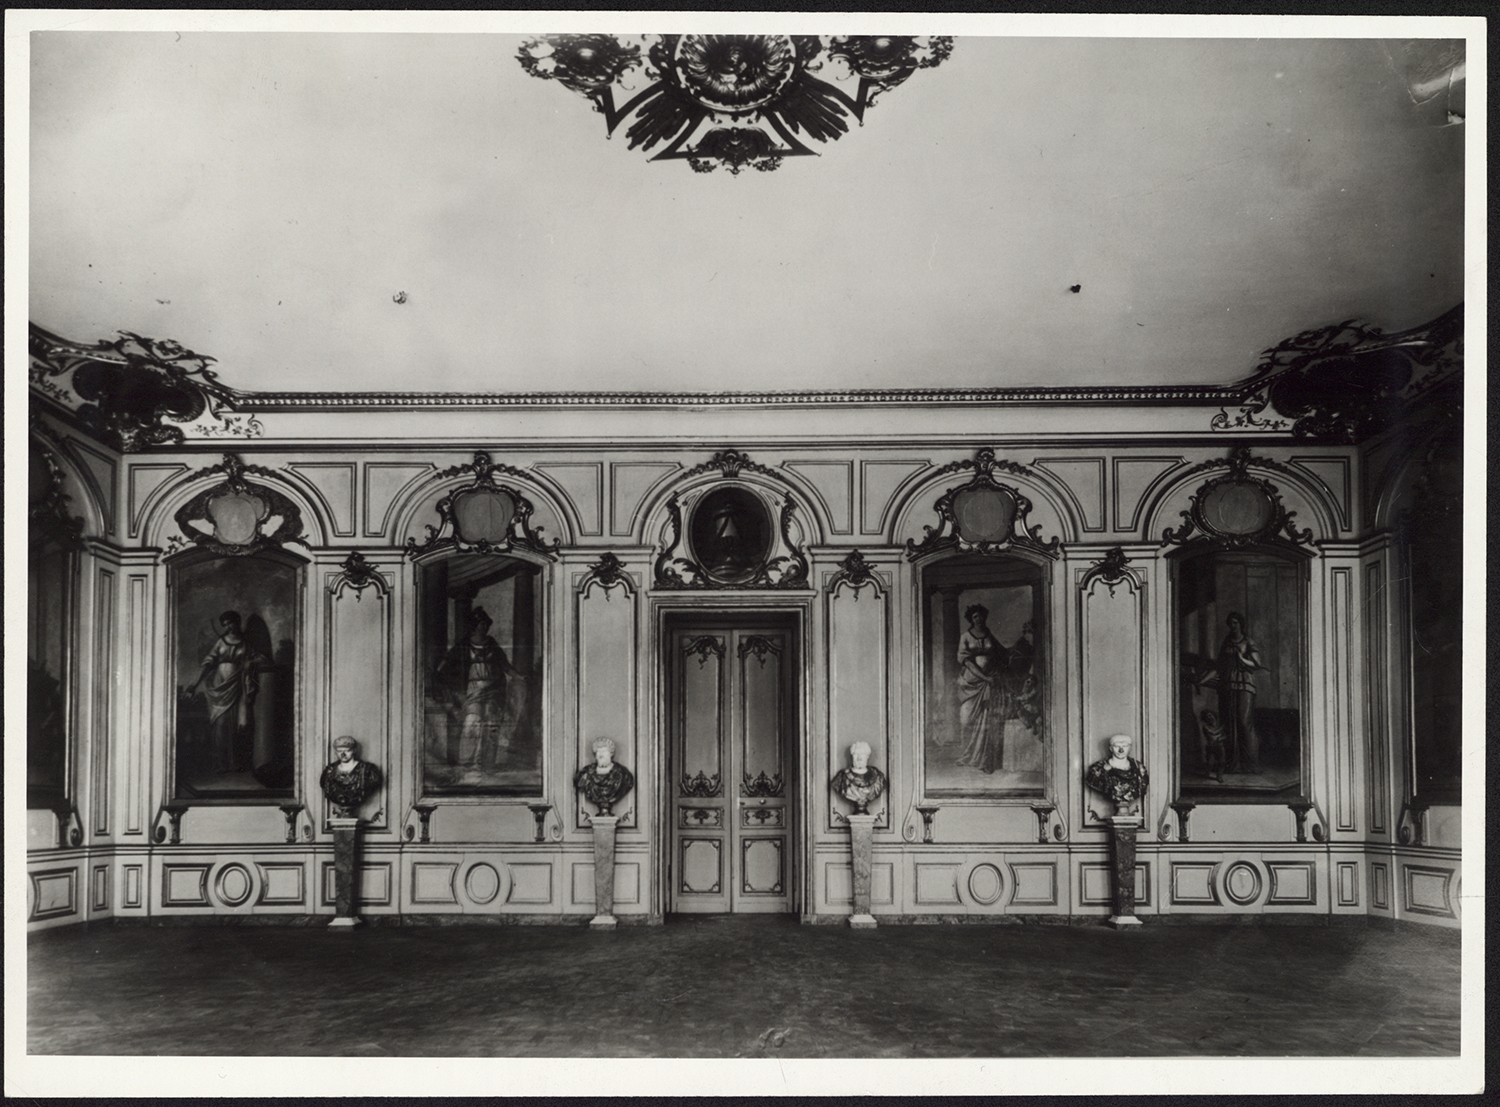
(552, 516)
(83, 494)
(1050, 508)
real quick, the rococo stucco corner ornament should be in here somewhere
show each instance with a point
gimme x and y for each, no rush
(1237, 509)
(484, 516)
(983, 516)
(136, 392)
(237, 516)
(1342, 383)
(1110, 569)
(745, 98)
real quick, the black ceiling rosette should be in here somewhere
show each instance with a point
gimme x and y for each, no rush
(736, 101)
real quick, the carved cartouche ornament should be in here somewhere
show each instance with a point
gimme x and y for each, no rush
(604, 784)
(1119, 776)
(861, 783)
(348, 782)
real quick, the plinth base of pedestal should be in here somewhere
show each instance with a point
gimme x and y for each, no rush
(345, 921)
(862, 922)
(603, 922)
(1122, 922)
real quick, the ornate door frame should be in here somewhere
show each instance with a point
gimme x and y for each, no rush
(670, 612)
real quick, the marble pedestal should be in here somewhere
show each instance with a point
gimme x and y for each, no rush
(345, 862)
(861, 830)
(1122, 831)
(604, 870)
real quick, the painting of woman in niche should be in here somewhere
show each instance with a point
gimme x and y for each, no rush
(985, 732)
(481, 629)
(1239, 625)
(236, 633)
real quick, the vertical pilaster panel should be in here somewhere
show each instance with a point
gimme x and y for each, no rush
(1111, 655)
(1339, 665)
(358, 677)
(1377, 691)
(857, 677)
(101, 638)
(607, 690)
(133, 729)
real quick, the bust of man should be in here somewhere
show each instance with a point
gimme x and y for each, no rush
(348, 781)
(1119, 776)
(605, 781)
(861, 783)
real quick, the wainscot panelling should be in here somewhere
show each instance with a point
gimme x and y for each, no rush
(1096, 885)
(1082, 481)
(606, 691)
(133, 887)
(1111, 652)
(582, 484)
(832, 482)
(631, 485)
(628, 885)
(144, 482)
(881, 483)
(99, 889)
(838, 885)
(53, 893)
(532, 884)
(357, 676)
(1427, 889)
(386, 484)
(375, 882)
(857, 685)
(1034, 885)
(1136, 480)
(334, 483)
(283, 884)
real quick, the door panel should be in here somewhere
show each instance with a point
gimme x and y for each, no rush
(732, 719)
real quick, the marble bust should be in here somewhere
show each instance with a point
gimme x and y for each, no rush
(606, 781)
(348, 782)
(861, 783)
(1119, 776)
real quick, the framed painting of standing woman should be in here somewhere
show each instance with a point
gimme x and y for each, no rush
(985, 659)
(236, 626)
(481, 648)
(1240, 619)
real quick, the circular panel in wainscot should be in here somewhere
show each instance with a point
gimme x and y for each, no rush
(233, 885)
(1242, 883)
(482, 883)
(985, 884)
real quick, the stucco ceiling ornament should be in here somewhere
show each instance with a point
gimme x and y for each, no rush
(135, 392)
(1345, 382)
(736, 101)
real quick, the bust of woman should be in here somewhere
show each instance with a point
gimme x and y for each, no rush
(348, 782)
(605, 781)
(861, 783)
(1119, 776)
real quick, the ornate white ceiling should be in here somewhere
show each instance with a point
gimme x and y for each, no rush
(268, 198)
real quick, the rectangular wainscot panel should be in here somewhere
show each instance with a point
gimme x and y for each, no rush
(430, 885)
(627, 885)
(1035, 886)
(1096, 888)
(53, 895)
(532, 885)
(283, 886)
(1297, 884)
(374, 889)
(838, 886)
(1428, 891)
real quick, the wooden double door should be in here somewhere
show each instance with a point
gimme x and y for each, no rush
(732, 756)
